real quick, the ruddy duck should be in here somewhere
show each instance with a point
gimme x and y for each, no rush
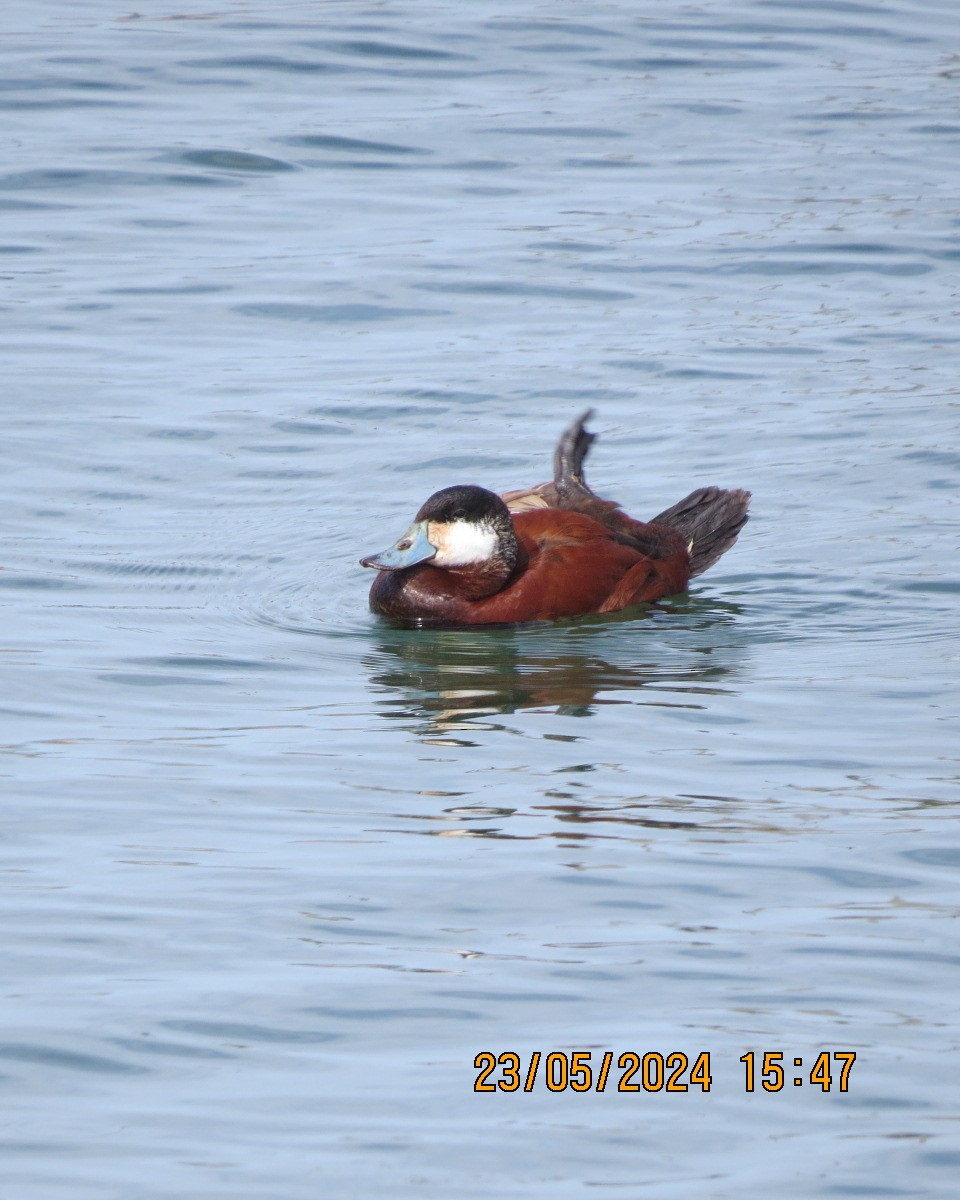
(556, 550)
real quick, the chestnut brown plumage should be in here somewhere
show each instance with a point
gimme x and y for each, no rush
(551, 551)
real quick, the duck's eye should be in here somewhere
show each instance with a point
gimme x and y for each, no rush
(459, 515)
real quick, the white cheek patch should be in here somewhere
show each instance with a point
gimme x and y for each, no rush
(462, 543)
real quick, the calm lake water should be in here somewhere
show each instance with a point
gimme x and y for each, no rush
(276, 873)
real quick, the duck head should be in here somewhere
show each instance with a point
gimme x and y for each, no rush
(463, 529)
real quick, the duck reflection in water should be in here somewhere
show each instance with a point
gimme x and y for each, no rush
(456, 678)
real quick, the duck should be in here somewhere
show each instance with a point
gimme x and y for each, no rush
(546, 553)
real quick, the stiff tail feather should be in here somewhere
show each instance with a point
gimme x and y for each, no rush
(709, 519)
(568, 477)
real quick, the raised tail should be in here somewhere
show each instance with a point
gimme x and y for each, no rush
(568, 477)
(709, 520)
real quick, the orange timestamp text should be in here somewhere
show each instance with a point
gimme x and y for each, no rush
(653, 1071)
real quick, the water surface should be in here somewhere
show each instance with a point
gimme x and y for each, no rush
(276, 872)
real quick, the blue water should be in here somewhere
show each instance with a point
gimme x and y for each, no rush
(275, 873)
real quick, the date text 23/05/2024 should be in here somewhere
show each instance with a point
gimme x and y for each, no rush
(652, 1071)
